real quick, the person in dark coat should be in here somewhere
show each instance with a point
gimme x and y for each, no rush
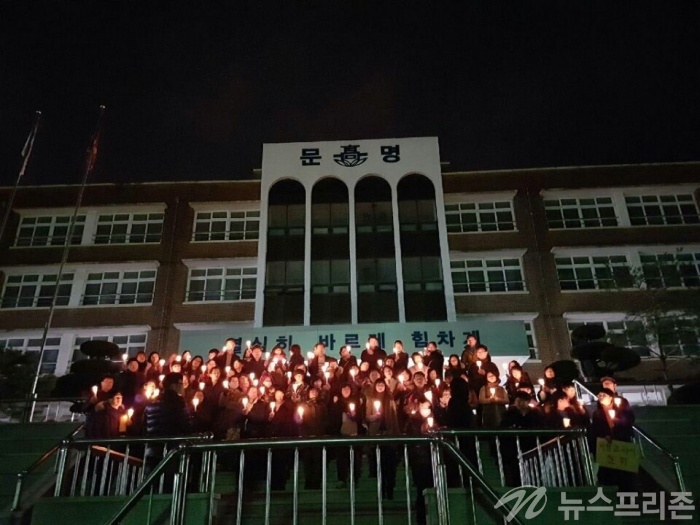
(97, 395)
(469, 352)
(434, 360)
(400, 358)
(612, 422)
(283, 425)
(313, 422)
(256, 364)
(373, 353)
(519, 416)
(460, 416)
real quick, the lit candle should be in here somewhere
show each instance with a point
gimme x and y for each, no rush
(156, 392)
(367, 345)
(478, 364)
(161, 377)
(352, 373)
(300, 411)
(410, 362)
(493, 391)
(262, 390)
(195, 403)
(162, 362)
(272, 406)
(618, 402)
(255, 382)
(402, 378)
(541, 382)
(94, 390)
(202, 384)
(377, 406)
(203, 368)
(505, 366)
(247, 343)
(430, 421)
(324, 367)
(245, 402)
(351, 406)
(227, 369)
(251, 376)
(429, 396)
(310, 355)
(289, 375)
(425, 350)
(130, 413)
(437, 383)
(396, 349)
(225, 384)
(125, 357)
(348, 348)
(611, 413)
(328, 375)
(267, 355)
(380, 363)
(178, 358)
(567, 422)
(122, 423)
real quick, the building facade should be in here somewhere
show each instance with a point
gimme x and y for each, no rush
(374, 234)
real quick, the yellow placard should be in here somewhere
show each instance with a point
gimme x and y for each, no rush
(619, 455)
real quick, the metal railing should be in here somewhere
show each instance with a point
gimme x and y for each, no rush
(116, 467)
(22, 476)
(44, 410)
(656, 459)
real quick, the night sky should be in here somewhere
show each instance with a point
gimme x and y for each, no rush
(194, 89)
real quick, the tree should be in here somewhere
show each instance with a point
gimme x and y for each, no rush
(599, 357)
(87, 372)
(665, 321)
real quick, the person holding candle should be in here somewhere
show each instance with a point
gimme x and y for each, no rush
(469, 353)
(98, 394)
(434, 360)
(549, 386)
(419, 456)
(319, 358)
(347, 360)
(256, 363)
(312, 424)
(373, 352)
(619, 401)
(154, 367)
(520, 415)
(493, 400)
(477, 370)
(130, 380)
(229, 353)
(516, 377)
(345, 416)
(610, 423)
(296, 391)
(282, 424)
(381, 420)
(455, 368)
(400, 357)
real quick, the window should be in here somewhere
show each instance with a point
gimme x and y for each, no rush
(127, 287)
(653, 210)
(36, 290)
(422, 273)
(594, 212)
(129, 228)
(593, 272)
(329, 218)
(679, 337)
(289, 274)
(376, 275)
(417, 215)
(51, 349)
(221, 284)
(480, 217)
(373, 217)
(226, 226)
(286, 219)
(487, 275)
(532, 341)
(330, 276)
(667, 270)
(130, 344)
(49, 230)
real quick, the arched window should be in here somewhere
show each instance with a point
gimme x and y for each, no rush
(375, 252)
(424, 296)
(330, 253)
(284, 260)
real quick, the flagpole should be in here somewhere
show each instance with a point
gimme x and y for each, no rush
(26, 153)
(90, 157)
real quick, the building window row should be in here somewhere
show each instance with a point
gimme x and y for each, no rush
(50, 230)
(226, 225)
(221, 284)
(632, 268)
(33, 345)
(620, 207)
(467, 217)
(476, 275)
(680, 337)
(79, 287)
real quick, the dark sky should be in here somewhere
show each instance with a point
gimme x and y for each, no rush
(194, 89)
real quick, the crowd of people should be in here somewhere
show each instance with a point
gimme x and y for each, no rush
(278, 394)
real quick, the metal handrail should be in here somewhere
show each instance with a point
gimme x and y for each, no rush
(22, 475)
(664, 451)
(177, 510)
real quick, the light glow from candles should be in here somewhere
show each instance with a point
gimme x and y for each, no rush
(195, 403)
(351, 406)
(245, 402)
(618, 402)
(377, 405)
(300, 411)
(430, 421)
(94, 390)
(380, 363)
(262, 390)
(156, 392)
(162, 362)
(272, 406)
(478, 364)
(611, 413)
(309, 355)
(125, 357)
(161, 377)
(178, 358)
(567, 422)
(255, 382)
(493, 391)
(202, 384)
(348, 348)
(396, 349)
(429, 396)
(225, 384)
(247, 343)
(227, 369)
(505, 367)
(367, 345)
(130, 413)
(541, 381)
(437, 383)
